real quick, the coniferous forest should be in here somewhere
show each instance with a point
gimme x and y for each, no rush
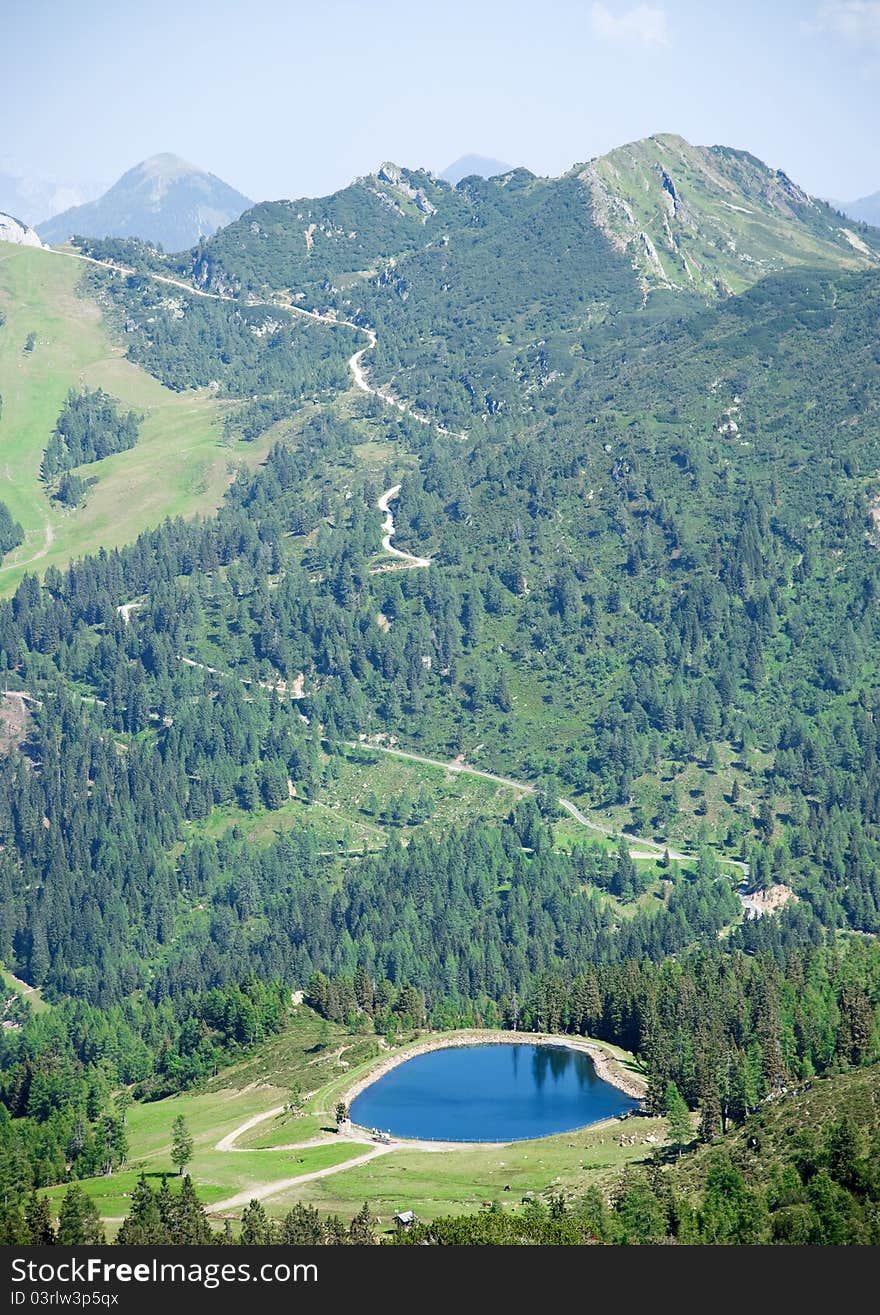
(653, 589)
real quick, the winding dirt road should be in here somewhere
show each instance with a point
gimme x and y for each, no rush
(282, 1184)
(358, 374)
(642, 842)
(361, 382)
(408, 559)
(47, 544)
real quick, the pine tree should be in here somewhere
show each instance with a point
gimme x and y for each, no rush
(856, 1024)
(257, 1229)
(143, 1225)
(710, 1114)
(678, 1118)
(78, 1221)
(334, 1232)
(360, 1232)
(181, 1144)
(301, 1226)
(14, 1231)
(189, 1227)
(39, 1221)
(165, 1203)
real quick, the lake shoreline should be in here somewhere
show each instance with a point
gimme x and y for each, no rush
(608, 1067)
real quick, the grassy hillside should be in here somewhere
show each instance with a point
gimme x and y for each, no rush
(801, 1171)
(321, 1060)
(182, 462)
(785, 1130)
(714, 220)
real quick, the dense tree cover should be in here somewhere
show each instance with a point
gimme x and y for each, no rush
(655, 553)
(11, 533)
(89, 428)
(452, 318)
(787, 1178)
(660, 574)
(171, 1216)
(733, 608)
(61, 1072)
(267, 355)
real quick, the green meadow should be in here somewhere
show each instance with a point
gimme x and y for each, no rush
(181, 465)
(317, 1062)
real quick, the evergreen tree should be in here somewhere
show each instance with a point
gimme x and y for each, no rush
(334, 1232)
(189, 1226)
(39, 1221)
(360, 1232)
(678, 1119)
(301, 1226)
(144, 1225)
(181, 1144)
(78, 1221)
(257, 1228)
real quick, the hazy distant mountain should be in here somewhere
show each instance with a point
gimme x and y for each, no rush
(34, 199)
(162, 200)
(866, 209)
(13, 230)
(474, 164)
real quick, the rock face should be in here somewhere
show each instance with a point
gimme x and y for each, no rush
(162, 200)
(399, 179)
(13, 230)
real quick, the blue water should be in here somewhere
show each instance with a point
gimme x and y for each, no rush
(489, 1093)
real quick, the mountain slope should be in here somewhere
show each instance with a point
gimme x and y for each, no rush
(481, 293)
(703, 220)
(162, 200)
(712, 219)
(342, 239)
(481, 165)
(179, 465)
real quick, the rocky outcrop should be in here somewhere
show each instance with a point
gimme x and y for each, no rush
(13, 230)
(394, 177)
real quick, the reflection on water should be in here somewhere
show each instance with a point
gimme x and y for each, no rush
(492, 1092)
(559, 1062)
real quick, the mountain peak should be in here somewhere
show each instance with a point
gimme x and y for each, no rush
(467, 165)
(163, 199)
(710, 219)
(164, 164)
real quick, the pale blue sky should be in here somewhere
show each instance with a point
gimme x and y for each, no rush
(297, 97)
